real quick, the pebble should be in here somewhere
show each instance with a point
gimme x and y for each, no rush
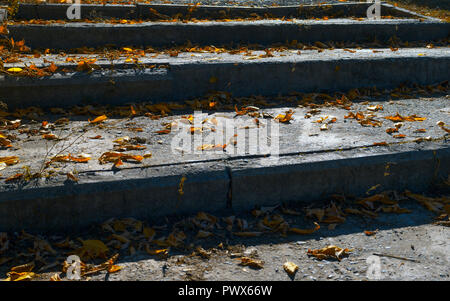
(251, 252)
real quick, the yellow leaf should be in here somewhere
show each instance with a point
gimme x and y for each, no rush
(55, 277)
(290, 267)
(24, 276)
(160, 252)
(23, 268)
(14, 70)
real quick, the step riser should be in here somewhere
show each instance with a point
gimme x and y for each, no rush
(186, 81)
(75, 207)
(264, 33)
(350, 177)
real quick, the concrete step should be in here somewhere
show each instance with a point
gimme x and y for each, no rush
(310, 164)
(265, 32)
(50, 11)
(189, 75)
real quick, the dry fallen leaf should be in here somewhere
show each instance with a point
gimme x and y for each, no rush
(159, 252)
(181, 185)
(114, 268)
(432, 204)
(398, 118)
(55, 277)
(285, 118)
(290, 268)
(15, 177)
(370, 233)
(203, 234)
(9, 160)
(98, 119)
(14, 70)
(92, 249)
(247, 234)
(72, 177)
(329, 252)
(21, 272)
(82, 158)
(13, 276)
(117, 158)
(254, 263)
(305, 231)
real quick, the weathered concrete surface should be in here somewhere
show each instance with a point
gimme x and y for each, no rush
(313, 164)
(3, 14)
(189, 76)
(265, 32)
(407, 235)
(170, 11)
(403, 235)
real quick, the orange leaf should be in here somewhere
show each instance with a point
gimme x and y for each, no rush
(133, 111)
(52, 68)
(161, 132)
(370, 233)
(3, 30)
(114, 268)
(98, 119)
(9, 160)
(286, 117)
(14, 178)
(305, 231)
(380, 143)
(392, 130)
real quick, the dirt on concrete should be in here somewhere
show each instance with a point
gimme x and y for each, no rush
(424, 246)
(408, 246)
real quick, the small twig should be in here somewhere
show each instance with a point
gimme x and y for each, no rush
(43, 166)
(397, 257)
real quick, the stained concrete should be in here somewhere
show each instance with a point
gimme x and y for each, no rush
(154, 11)
(312, 164)
(189, 76)
(265, 32)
